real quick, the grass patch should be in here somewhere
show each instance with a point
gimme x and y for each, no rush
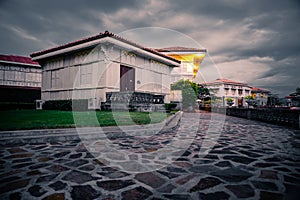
(41, 119)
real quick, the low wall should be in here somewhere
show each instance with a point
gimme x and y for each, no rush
(276, 116)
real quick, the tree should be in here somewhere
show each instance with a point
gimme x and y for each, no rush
(203, 91)
(189, 92)
(298, 90)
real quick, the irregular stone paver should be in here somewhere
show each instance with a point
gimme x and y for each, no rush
(239, 159)
(241, 191)
(36, 191)
(15, 196)
(248, 159)
(170, 175)
(113, 185)
(166, 189)
(34, 172)
(213, 196)
(46, 178)
(203, 169)
(78, 177)
(267, 174)
(264, 185)
(150, 179)
(14, 185)
(205, 183)
(232, 174)
(59, 196)
(77, 163)
(84, 192)
(270, 195)
(57, 168)
(178, 196)
(136, 194)
(223, 164)
(58, 185)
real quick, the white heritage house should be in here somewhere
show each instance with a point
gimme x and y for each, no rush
(93, 68)
(20, 79)
(224, 88)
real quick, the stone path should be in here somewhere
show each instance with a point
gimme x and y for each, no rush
(247, 160)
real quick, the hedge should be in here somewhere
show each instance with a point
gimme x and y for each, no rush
(66, 105)
(16, 106)
(170, 106)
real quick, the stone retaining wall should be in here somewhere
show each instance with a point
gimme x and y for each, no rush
(271, 115)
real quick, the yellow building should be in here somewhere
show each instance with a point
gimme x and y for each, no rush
(260, 95)
(190, 58)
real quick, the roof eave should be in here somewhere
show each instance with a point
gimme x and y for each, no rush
(20, 63)
(104, 40)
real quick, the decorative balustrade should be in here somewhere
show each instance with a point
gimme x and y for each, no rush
(132, 100)
(278, 116)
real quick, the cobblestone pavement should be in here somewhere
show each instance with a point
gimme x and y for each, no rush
(249, 160)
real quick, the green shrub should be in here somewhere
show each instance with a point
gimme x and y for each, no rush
(16, 106)
(170, 106)
(66, 105)
(189, 92)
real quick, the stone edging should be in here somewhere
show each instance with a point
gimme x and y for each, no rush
(71, 134)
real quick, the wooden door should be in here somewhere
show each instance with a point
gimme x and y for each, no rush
(127, 78)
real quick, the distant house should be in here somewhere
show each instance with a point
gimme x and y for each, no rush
(96, 67)
(260, 95)
(190, 58)
(20, 79)
(224, 89)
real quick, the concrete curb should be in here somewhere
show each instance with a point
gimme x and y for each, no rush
(71, 134)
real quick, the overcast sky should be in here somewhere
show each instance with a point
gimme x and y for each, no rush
(257, 42)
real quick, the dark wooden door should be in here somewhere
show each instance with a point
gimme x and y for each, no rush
(127, 78)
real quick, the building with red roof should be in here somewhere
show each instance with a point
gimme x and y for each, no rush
(225, 89)
(20, 79)
(93, 67)
(260, 95)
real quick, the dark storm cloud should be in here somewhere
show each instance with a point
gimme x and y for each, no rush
(262, 32)
(51, 22)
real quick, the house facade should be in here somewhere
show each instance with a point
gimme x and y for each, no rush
(260, 95)
(190, 58)
(93, 67)
(20, 79)
(225, 89)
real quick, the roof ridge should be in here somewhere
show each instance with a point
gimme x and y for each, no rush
(223, 80)
(99, 36)
(179, 48)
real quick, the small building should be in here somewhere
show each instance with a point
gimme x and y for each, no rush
(20, 80)
(190, 58)
(105, 68)
(260, 95)
(228, 89)
(293, 100)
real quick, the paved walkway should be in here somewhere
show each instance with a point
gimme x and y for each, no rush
(247, 159)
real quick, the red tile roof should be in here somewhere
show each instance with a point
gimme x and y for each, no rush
(180, 49)
(259, 89)
(99, 36)
(18, 59)
(224, 81)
